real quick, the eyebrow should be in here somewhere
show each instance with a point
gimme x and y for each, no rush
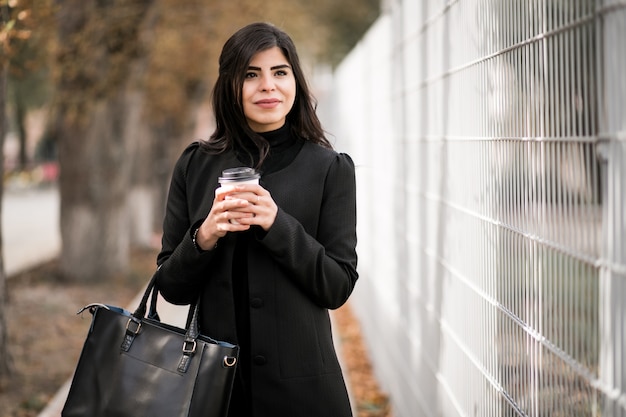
(272, 68)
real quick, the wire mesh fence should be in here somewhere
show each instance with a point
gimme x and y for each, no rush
(490, 143)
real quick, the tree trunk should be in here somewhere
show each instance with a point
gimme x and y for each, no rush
(94, 185)
(95, 118)
(5, 368)
(141, 189)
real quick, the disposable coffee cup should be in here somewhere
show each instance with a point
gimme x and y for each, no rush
(239, 175)
(236, 176)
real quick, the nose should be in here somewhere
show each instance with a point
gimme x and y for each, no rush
(267, 83)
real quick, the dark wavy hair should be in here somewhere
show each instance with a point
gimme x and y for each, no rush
(231, 124)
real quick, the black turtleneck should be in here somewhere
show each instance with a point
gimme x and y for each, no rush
(284, 147)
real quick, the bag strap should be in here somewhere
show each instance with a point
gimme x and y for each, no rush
(140, 312)
(134, 323)
(190, 344)
(151, 289)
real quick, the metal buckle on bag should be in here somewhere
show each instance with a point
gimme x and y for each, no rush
(189, 351)
(189, 348)
(137, 328)
(131, 333)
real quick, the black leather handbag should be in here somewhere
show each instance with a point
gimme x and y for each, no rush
(132, 365)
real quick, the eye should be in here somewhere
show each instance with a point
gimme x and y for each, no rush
(281, 73)
(250, 74)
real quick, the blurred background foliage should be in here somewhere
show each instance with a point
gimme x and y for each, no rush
(122, 86)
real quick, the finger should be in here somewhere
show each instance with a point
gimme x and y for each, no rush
(232, 221)
(234, 203)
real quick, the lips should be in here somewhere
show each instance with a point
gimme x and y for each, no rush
(267, 103)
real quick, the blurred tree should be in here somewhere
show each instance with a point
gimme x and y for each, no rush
(98, 50)
(29, 80)
(174, 80)
(346, 22)
(7, 23)
(4, 351)
(335, 27)
(16, 28)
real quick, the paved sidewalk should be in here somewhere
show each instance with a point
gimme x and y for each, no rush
(30, 227)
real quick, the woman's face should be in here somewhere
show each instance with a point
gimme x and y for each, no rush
(269, 90)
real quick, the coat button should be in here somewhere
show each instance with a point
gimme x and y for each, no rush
(260, 360)
(256, 302)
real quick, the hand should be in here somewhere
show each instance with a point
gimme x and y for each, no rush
(235, 209)
(261, 206)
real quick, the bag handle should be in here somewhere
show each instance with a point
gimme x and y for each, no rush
(140, 312)
(133, 327)
(151, 289)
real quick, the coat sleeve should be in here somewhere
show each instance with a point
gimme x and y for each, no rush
(324, 267)
(181, 265)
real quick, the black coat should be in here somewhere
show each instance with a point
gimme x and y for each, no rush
(303, 266)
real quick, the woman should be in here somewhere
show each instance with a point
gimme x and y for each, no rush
(269, 260)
